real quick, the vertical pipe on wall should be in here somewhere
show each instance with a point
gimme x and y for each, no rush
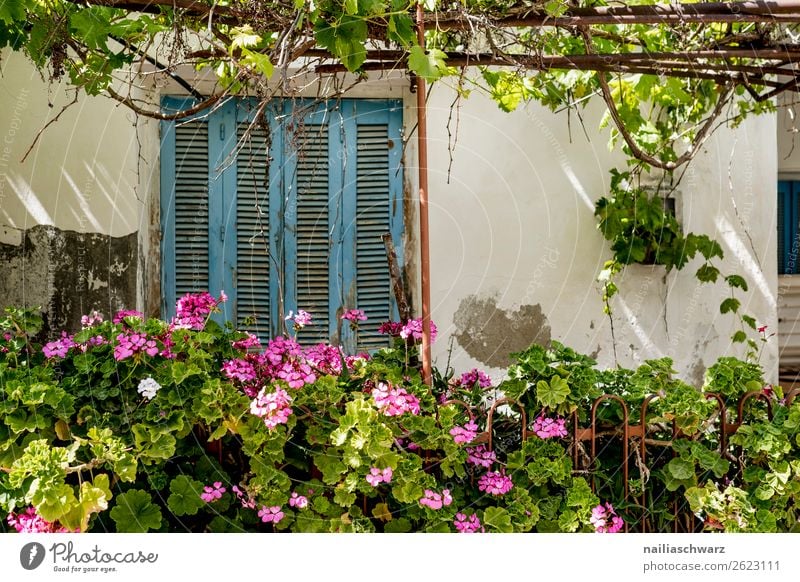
(424, 238)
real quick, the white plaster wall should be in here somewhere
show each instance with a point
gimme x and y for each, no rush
(82, 173)
(515, 225)
(512, 222)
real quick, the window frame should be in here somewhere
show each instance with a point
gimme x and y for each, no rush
(342, 118)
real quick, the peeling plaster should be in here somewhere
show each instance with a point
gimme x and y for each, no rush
(67, 274)
(489, 334)
(697, 373)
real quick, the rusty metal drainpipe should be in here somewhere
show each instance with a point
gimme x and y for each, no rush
(424, 235)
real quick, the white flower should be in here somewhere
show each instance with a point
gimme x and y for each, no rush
(148, 388)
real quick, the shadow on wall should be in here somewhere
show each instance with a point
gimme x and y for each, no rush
(67, 274)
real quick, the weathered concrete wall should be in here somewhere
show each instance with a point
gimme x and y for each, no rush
(69, 213)
(516, 250)
(68, 274)
(515, 245)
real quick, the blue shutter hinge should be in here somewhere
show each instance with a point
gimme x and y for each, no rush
(222, 234)
(222, 132)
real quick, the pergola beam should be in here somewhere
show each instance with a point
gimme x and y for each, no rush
(684, 13)
(681, 67)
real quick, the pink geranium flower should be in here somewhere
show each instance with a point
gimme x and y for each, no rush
(464, 434)
(377, 476)
(394, 401)
(605, 519)
(274, 407)
(354, 316)
(270, 514)
(495, 483)
(212, 492)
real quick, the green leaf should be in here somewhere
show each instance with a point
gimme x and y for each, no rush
(259, 61)
(680, 469)
(430, 66)
(707, 273)
(135, 512)
(580, 495)
(731, 304)
(11, 10)
(497, 519)
(739, 337)
(401, 30)
(764, 492)
(94, 498)
(153, 444)
(184, 498)
(373, 7)
(400, 525)
(125, 467)
(92, 26)
(330, 465)
(55, 501)
(568, 521)
(696, 496)
(181, 371)
(344, 39)
(736, 281)
(409, 491)
(552, 394)
(343, 497)
(708, 247)
(382, 512)
(244, 37)
(555, 8)
(351, 6)
(750, 321)
(508, 89)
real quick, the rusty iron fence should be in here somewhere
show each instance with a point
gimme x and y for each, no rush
(634, 444)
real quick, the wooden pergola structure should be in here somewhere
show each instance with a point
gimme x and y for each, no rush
(765, 64)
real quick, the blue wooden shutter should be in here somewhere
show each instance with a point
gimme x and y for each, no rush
(373, 207)
(252, 275)
(373, 285)
(293, 222)
(784, 230)
(184, 210)
(788, 227)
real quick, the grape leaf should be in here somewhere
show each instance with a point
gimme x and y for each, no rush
(731, 304)
(430, 66)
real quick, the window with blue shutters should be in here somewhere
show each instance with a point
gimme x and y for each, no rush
(788, 229)
(284, 214)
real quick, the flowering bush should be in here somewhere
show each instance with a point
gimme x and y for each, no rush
(146, 425)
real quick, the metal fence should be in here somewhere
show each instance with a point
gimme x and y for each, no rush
(636, 450)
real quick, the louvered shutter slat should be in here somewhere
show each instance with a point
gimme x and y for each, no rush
(313, 239)
(373, 283)
(252, 233)
(191, 208)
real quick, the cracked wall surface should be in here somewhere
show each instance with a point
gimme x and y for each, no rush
(515, 249)
(516, 252)
(68, 274)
